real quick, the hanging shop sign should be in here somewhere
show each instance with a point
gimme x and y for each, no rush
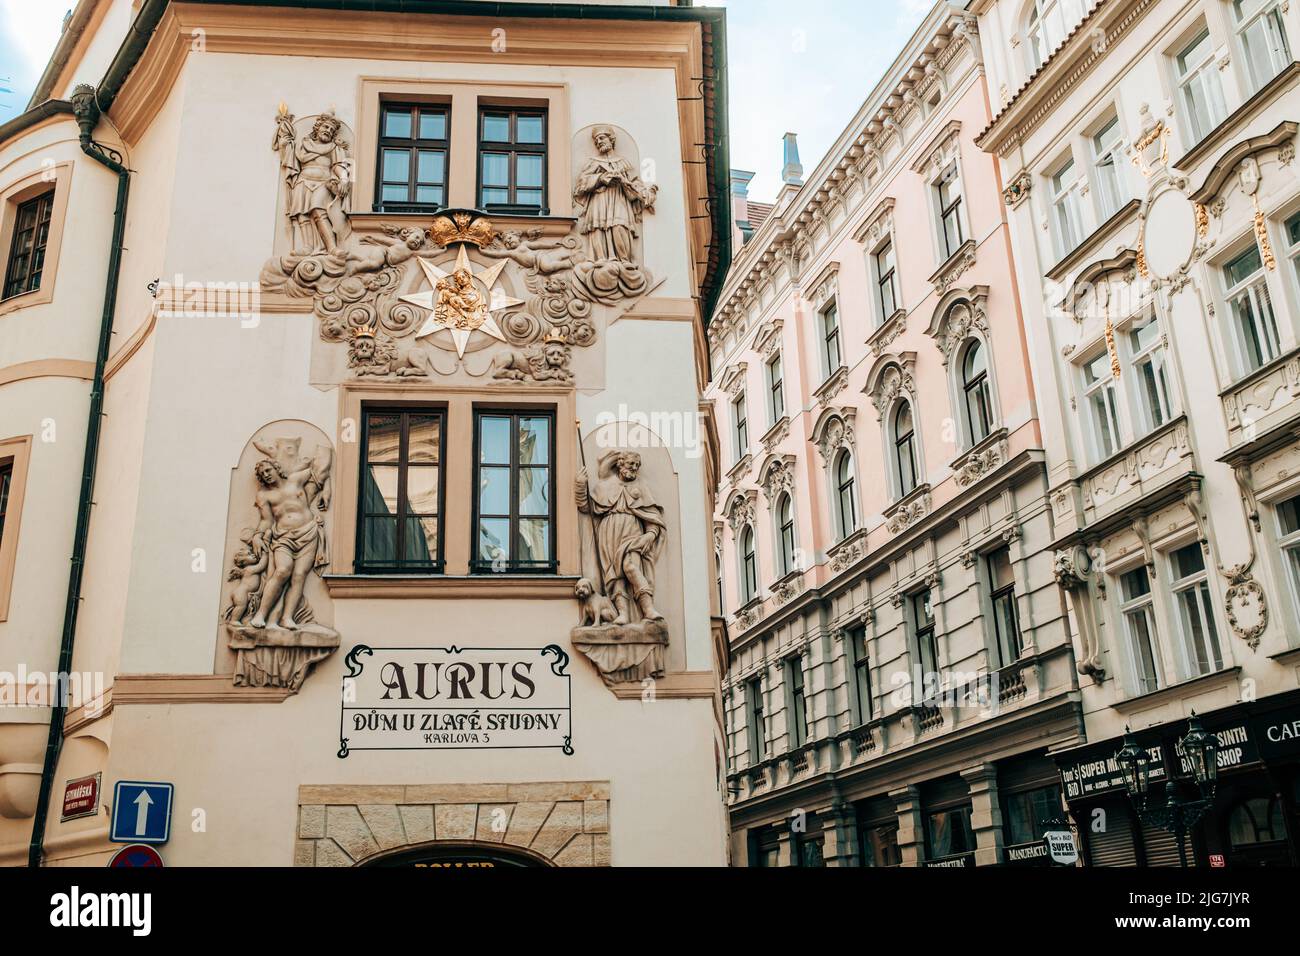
(1237, 746)
(1094, 770)
(1061, 847)
(456, 698)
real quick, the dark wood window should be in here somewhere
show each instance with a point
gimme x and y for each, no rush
(862, 673)
(748, 567)
(512, 161)
(1005, 621)
(740, 425)
(776, 389)
(401, 491)
(887, 294)
(831, 339)
(1029, 814)
(757, 721)
(27, 248)
(975, 384)
(413, 150)
(6, 479)
(514, 501)
(798, 703)
(950, 224)
(785, 526)
(927, 648)
(905, 449)
(948, 833)
(848, 508)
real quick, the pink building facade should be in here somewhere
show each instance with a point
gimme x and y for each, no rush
(900, 656)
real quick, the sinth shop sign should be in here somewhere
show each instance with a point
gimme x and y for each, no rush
(454, 698)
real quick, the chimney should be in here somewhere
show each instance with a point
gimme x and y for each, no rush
(740, 179)
(792, 170)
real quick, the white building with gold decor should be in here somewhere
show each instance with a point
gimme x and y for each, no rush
(1147, 148)
(352, 361)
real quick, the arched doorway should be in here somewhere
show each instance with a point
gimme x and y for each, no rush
(458, 855)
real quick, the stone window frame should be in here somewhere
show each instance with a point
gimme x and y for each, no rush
(952, 340)
(58, 177)
(777, 479)
(16, 452)
(464, 98)
(829, 446)
(876, 232)
(558, 823)
(885, 398)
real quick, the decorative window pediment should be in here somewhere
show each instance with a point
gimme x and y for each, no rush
(776, 476)
(890, 377)
(878, 224)
(941, 151)
(733, 379)
(768, 339)
(741, 510)
(826, 286)
(958, 315)
(833, 431)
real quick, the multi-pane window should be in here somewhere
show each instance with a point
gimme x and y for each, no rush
(1262, 35)
(401, 491)
(1293, 243)
(740, 425)
(748, 566)
(847, 511)
(6, 479)
(512, 160)
(1140, 629)
(905, 449)
(1107, 157)
(1191, 589)
(1029, 812)
(1066, 207)
(880, 846)
(27, 246)
(514, 495)
(785, 532)
(948, 191)
(975, 388)
(1254, 323)
(775, 389)
(1103, 407)
(830, 321)
(949, 833)
(798, 702)
(1047, 25)
(1288, 519)
(927, 647)
(757, 720)
(887, 289)
(1146, 346)
(1198, 86)
(861, 674)
(1006, 623)
(413, 144)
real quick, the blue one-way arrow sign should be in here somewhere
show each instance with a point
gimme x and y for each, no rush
(142, 812)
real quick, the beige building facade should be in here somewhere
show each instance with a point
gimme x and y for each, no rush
(901, 658)
(372, 530)
(1148, 155)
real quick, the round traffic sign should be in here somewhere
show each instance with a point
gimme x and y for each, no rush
(137, 854)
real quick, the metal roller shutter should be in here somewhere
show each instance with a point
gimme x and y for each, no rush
(1161, 847)
(1113, 846)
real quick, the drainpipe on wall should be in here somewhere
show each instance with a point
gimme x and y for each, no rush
(86, 110)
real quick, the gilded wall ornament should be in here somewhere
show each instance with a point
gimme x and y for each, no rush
(462, 301)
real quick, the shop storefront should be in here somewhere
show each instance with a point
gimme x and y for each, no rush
(1253, 819)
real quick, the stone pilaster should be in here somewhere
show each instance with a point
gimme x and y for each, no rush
(840, 835)
(986, 813)
(911, 825)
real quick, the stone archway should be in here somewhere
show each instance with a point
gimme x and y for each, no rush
(456, 854)
(563, 823)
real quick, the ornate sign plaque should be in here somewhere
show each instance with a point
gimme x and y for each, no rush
(456, 698)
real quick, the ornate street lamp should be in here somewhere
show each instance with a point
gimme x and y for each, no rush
(1179, 812)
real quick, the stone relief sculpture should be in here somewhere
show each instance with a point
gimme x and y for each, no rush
(269, 621)
(404, 301)
(621, 630)
(317, 171)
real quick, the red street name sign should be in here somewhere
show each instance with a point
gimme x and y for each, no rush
(81, 797)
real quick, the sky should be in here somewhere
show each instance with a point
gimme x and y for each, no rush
(800, 66)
